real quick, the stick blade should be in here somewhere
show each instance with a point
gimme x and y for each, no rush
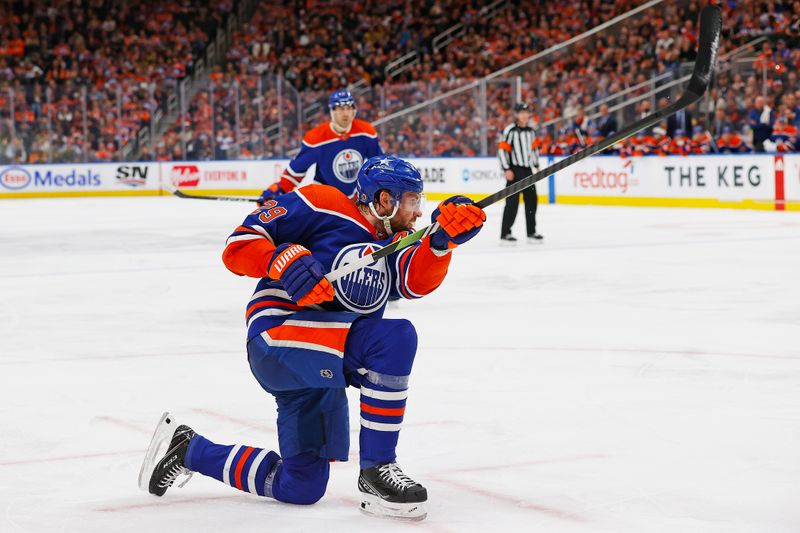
(710, 29)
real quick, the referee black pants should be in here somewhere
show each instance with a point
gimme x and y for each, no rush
(512, 204)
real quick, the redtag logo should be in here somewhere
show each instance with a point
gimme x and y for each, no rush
(185, 176)
(601, 179)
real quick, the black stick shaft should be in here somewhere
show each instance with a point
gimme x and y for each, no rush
(181, 194)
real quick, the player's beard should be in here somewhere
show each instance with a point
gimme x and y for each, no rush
(397, 225)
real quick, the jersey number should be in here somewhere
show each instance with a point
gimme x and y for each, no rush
(270, 211)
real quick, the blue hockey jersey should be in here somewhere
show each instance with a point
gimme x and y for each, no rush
(328, 224)
(338, 157)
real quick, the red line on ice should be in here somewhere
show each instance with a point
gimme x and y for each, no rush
(161, 502)
(239, 421)
(511, 500)
(124, 424)
(68, 457)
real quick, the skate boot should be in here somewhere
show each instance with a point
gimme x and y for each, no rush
(387, 492)
(165, 457)
(508, 240)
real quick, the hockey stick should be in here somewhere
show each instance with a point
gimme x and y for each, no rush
(181, 194)
(710, 27)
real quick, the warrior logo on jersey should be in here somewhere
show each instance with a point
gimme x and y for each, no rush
(346, 165)
(366, 290)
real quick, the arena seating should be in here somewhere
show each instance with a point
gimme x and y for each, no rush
(78, 81)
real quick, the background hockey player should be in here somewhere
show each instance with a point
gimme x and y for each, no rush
(730, 142)
(784, 134)
(308, 339)
(702, 141)
(338, 147)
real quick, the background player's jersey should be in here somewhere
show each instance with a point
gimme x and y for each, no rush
(329, 225)
(338, 157)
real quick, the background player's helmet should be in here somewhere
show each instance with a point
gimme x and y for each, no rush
(385, 172)
(521, 106)
(341, 98)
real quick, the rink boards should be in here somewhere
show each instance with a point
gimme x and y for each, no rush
(747, 181)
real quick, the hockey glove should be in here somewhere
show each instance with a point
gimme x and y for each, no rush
(460, 220)
(270, 193)
(302, 276)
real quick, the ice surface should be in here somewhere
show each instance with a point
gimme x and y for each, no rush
(639, 372)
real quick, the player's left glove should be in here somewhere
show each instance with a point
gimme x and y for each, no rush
(270, 193)
(460, 220)
(302, 276)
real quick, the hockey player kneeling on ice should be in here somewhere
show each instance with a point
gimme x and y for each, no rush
(308, 339)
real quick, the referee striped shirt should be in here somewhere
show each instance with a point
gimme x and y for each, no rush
(516, 148)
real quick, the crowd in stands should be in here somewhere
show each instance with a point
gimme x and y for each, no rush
(757, 113)
(566, 92)
(322, 49)
(79, 78)
(642, 48)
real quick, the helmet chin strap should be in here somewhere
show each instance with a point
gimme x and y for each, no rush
(385, 219)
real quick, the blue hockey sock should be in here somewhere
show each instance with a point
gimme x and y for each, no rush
(379, 355)
(243, 467)
(382, 410)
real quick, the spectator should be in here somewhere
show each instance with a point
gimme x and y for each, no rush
(760, 120)
(605, 125)
(682, 120)
(720, 122)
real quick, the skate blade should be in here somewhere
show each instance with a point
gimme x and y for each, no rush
(157, 449)
(374, 506)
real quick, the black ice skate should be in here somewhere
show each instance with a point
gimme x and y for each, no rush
(387, 492)
(165, 457)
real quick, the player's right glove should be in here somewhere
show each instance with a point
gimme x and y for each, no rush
(460, 220)
(302, 276)
(270, 193)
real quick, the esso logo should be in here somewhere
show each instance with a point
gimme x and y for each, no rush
(346, 165)
(367, 289)
(14, 178)
(185, 176)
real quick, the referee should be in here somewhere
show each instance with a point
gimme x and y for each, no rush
(519, 159)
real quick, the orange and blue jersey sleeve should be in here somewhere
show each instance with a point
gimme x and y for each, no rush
(294, 173)
(417, 270)
(373, 148)
(251, 245)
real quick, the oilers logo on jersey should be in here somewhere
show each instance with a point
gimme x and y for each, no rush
(366, 290)
(346, 164)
